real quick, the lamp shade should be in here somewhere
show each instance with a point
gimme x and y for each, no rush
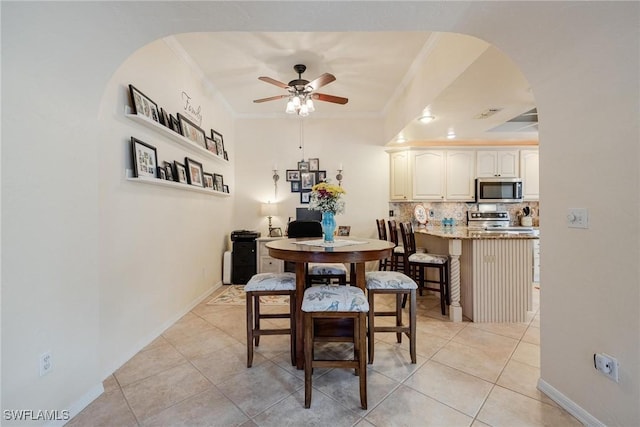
(269, 209)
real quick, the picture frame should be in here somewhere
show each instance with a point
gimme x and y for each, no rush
(162, 173)
(211, 145)
(175, 124)
(180, 172)
(275, 232)
(303, 166)
(307, 180)
(168, 167)
(225, 189)
(344, 230)
(164, 118)
(194, 172)
(191, 131)
(321, 176)
(295, 186)
(207, 178)
(218, 182)
(226, 156)
(143, 105)
(293, 175)
(219, 141)
(314, 165)
(305, 197)
(145, 159)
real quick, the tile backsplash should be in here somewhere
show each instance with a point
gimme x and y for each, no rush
(436, 211)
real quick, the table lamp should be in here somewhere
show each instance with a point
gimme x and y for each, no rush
(269, 210)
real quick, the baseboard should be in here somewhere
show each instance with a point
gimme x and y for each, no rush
(158, 331)
(77, 407)
(567, 404)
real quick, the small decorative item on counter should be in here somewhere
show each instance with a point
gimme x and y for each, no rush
(448, 222)
(526, 219)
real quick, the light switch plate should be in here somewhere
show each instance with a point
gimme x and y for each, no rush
(577, 218)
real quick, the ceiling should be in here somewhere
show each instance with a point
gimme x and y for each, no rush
(373, 70)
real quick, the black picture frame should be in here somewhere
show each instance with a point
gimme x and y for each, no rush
(193, 132)
(168, 167)
(293, 175)
(143, 105)
(314, 165)
(207, 178)
(211, 145)
(218, 182)
(175, 124)
(226, 156)
(194, 172)
(219, 140)
(305, 197)
(180, 172)
(164, 118)
(162, 173)
(303, 166)
(145, 159)
(225, 188)
(321, 176)
(295, 186)
(307, 180)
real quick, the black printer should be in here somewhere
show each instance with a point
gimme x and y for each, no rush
(244, 235)
(243, 257)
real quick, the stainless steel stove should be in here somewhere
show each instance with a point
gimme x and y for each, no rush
(494, 221)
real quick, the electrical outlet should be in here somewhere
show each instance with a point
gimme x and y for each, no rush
(607, 365)
(390, 213)
(46, 363)
(577, 218)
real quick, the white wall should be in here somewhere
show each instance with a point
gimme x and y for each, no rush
(58, 58)
(160, 248)
(354, 143)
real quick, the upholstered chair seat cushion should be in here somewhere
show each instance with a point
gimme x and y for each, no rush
(428, 258)
(389, 280)
(398, 249)
(326, 268)
(271, 282)
(334, 298)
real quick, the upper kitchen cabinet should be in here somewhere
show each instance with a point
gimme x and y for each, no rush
(428, 174)
(490, 163)
(400, 182)
(461, 170)
(529, 172)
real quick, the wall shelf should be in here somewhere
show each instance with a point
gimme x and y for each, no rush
(173, 136)
(173, 184)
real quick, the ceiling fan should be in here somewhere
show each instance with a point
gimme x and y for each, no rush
(302, 92)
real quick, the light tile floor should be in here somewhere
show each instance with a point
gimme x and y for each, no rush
(195, 374)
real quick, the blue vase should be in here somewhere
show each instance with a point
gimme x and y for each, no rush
(328, 226)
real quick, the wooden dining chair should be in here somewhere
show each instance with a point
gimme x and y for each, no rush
(397, 256)
(417, 263)
(381, 225)
(326, 303)
(317, 272)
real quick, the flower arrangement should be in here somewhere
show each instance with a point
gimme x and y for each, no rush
(327, 197)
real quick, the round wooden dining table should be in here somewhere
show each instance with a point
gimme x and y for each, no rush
(352, 250)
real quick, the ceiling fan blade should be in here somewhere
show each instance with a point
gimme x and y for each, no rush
(330, 98)
(323, 80)
(271, 98)
(274, 82)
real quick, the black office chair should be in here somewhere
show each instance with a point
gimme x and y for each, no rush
(317, 272)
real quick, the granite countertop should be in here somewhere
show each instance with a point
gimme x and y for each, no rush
(462, 232)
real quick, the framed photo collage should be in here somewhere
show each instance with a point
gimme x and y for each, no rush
(305, 177)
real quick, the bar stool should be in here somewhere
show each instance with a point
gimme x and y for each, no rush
(401, 285)
(382, 235)
(397, 256)
(417, 263)
(333, 303)
(264, 284)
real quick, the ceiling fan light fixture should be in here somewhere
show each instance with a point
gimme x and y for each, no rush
(290, 107)
(296, 101)
(310, 105)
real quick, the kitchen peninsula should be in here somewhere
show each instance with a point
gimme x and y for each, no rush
(491, 272)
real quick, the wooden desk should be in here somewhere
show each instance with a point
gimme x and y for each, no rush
(356, 255)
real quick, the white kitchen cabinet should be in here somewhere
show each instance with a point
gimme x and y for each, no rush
(490, 163)
(400, 183)
(460, 174)
(530, 174)
(429, 169)
(267, 264)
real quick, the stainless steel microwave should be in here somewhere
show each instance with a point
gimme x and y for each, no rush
(498, 190)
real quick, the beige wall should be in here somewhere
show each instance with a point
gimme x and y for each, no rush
(59, 59)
